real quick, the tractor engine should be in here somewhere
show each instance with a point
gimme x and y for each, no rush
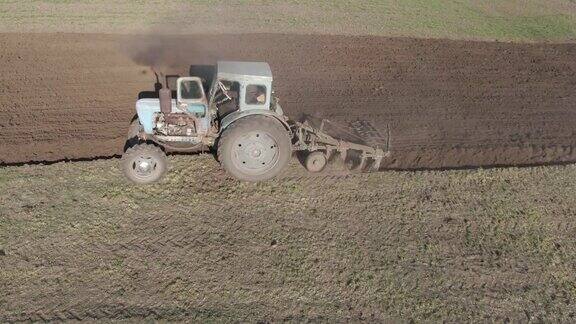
(176, 124)
(173, 124)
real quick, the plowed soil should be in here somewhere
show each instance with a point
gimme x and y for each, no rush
(447, 103)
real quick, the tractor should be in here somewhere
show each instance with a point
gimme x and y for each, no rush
(240, 120)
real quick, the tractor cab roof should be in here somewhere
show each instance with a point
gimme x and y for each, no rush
(244, 70)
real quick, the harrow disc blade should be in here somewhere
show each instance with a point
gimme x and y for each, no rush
(370, 134)
(356, 162)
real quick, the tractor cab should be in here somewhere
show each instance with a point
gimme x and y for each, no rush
(241, 86)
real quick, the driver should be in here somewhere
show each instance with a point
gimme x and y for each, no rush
(255, 95)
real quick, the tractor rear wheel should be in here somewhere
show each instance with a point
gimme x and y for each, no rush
(255, 148)
(144, 163)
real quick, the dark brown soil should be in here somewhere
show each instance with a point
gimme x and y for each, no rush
(448, 103)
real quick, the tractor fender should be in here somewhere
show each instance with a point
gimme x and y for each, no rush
(228, 120)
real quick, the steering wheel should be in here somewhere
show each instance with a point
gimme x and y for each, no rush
(224, 91)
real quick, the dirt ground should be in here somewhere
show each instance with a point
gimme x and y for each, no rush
(79, 243)
(447, 103)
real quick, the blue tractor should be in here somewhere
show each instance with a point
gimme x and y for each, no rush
(239, 119)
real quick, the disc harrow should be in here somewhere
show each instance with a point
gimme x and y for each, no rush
(320, 140)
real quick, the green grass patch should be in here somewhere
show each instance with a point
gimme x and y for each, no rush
(514, 20)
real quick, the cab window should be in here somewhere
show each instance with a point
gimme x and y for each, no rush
(190, 90)
(255, 94)
(226, 97)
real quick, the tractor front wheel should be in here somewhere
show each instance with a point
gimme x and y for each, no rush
(144, 163)
(255, 148)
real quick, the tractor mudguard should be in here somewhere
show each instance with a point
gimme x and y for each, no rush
(226, 121)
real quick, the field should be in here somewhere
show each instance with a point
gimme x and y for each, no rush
(519, 20)
(460, 245)
(457, 227)
(447, 103)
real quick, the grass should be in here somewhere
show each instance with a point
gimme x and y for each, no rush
(457, 245)
(514, 20)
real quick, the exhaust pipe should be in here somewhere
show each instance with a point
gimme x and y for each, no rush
(164, 94)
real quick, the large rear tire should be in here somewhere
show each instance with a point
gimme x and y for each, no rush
(255, 148)
(144, 163)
